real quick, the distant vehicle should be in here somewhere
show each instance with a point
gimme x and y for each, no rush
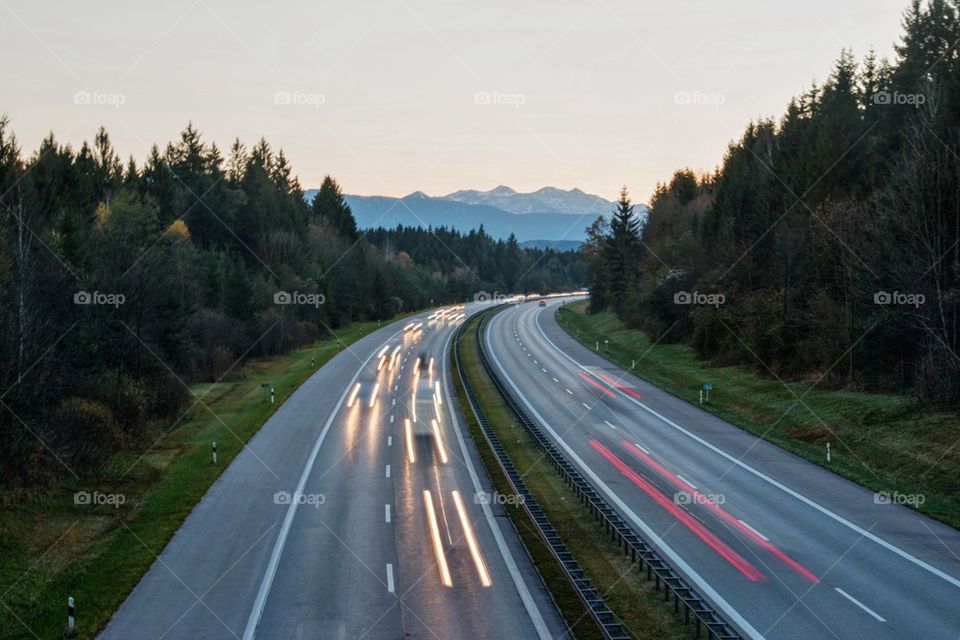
(543, 303)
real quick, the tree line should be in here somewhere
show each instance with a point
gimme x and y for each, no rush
(120, 284)
(826, 244)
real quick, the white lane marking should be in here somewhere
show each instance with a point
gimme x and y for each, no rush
(395, 387)
(682, 479)
(271, 571)
(858, 603)
(536, 618)
(542, 369)
(555, 380)
(388, 471)
(765, 538)
(391, 418)
(390, 577)
(386, 513)
(609, 425)
(743, 465)
(394, 401)
(586, 405)
(389, 441)
(570, 392)
(535, 361)
(652, 536)
(642, 449)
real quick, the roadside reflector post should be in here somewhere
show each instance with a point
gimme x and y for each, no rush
(828, 452)
(597, 346)
(312, 365)
(272, 395)
(71, 621)
(213, 452)
(633, 364)
(701, 396)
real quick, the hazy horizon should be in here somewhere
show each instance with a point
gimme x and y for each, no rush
(397, 97)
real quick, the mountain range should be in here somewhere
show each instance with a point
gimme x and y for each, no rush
(546, 217)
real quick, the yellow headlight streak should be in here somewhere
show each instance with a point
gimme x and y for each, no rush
(430, 371)
(373, 397)
(437, 388)
(408, 432)
(416, 367)
(437, 540)
(380, 364)
(353, 395)
(413, 406)
(394, 357)
(436, 409)
(439, 440)
(472, 542)
(383, 351)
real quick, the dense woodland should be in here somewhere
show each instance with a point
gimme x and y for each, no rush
(121, 284)
(831, 233)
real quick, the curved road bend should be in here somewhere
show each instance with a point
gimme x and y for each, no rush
(784, 548)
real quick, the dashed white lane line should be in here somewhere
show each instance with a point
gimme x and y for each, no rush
(686, 481)
(641, 448)
(395, 387)
(388, 471)
(394, 401)
(389, 577)
(535, 361)
(391, 418)
(542, 369)
(765, 538)
(386, 513)
(609, 425)
(586, 405)
(389, 441)
(555, 380)
(570, 392)
(858, 603)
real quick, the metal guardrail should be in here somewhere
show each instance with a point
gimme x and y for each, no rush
(633, 545)
(606, 621)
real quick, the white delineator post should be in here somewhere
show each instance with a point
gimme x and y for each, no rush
(828, 452)
(213, 452)
(71, 621)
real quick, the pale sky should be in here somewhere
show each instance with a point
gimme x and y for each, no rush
(400, 95)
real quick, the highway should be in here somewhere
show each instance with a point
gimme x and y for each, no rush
(781, 547)
(358, 511)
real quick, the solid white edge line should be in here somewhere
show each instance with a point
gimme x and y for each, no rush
(858, 603)
(536, 618)
(253, 620)
(827, 512)
(652, 536)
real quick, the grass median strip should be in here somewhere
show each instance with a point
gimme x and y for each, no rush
(884, 442)
(624, 588)
(52, 548)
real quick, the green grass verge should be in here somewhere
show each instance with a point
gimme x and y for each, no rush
(51, 548)
(625, 589)
(881, 441)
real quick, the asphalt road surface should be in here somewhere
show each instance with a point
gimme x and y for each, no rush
(359, 511)
(782, 547)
